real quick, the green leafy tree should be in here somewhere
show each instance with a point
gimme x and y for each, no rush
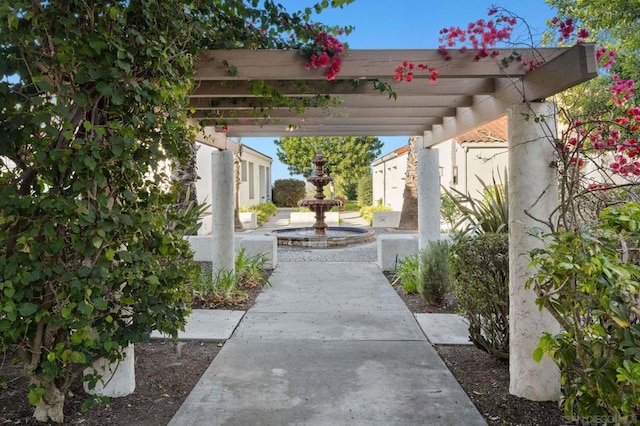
(93, 118)
(348, 158)
(614, 25)
(365, 190)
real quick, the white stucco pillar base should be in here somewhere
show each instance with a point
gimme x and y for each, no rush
(532, 189)
(222, 223)
(118, 378)
(428, 197)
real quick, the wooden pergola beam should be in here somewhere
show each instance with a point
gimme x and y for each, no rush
(356, 64)
(467, 93)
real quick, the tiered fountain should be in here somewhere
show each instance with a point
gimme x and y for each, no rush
(318, 204)
(321, 235)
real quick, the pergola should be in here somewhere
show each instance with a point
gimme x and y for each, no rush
(467, 94)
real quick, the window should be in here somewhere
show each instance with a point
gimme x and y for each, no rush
(243, 171)
(251, 182)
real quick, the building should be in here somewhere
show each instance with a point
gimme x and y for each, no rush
(478, 153)
(254, 173)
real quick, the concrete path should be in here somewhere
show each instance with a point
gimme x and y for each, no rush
(330, 343)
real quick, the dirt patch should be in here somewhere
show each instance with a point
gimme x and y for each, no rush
(486, 381)
(167, 371)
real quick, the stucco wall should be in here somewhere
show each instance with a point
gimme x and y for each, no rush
(459, 166)
(251, 191)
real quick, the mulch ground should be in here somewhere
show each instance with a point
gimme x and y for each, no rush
(167, 371)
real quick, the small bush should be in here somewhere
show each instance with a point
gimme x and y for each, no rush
(406, 274)
(250, 269)
(263, 211)
(449, 212)
(365, 191)
(287, 192)
(433, 276)
(479, 269)
(367, 212)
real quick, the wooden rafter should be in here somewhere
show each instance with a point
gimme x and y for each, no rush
(467, 93)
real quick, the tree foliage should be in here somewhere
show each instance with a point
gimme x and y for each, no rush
(614, 25)
(93, 116)
(348, 158)
(365, 190)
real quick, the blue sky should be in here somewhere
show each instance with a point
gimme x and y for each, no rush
(405, 24)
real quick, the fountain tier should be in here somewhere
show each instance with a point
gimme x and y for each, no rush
(318, 204)
(320, 235)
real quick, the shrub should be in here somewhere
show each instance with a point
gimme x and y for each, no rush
(590, 282)
(263, 211)
(250, 269)
(433, 274)
(479, 269)
(287, 192)
(406, 274)
(367, 212)
(449, 211)
(365, 191)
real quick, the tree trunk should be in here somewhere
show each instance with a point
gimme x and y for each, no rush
(51, 407)
(187, 177)
(409, 214)
(237, 163)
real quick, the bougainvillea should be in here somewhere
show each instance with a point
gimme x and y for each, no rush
(324, 53)
(614, 141)
(479, 37)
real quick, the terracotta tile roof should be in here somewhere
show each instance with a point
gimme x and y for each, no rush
(402, 150)
(494, 131)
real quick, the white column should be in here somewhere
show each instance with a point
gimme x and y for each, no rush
(222, 246)
(428, 197)
(532, 189)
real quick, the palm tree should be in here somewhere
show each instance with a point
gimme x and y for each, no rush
(409, 215)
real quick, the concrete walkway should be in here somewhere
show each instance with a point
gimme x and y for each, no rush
(329, 343)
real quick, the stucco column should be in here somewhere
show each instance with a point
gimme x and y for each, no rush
(222, 249)
(428, 197)
(532, 189)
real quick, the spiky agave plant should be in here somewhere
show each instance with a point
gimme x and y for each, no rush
(487, 215)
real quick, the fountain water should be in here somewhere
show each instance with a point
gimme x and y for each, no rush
(321, 235)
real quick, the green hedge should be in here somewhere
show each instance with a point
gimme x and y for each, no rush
(287, 192)
(479, 268)
(367, 212)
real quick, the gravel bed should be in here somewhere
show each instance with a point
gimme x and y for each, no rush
(356, 253)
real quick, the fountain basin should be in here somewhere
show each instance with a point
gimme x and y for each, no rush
(336, 236)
